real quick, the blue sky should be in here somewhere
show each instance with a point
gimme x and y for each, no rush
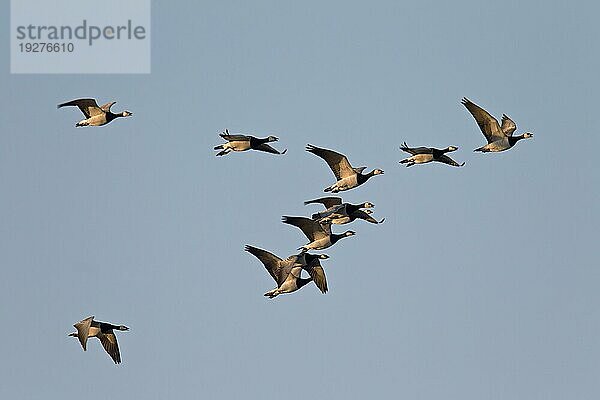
(481, 284)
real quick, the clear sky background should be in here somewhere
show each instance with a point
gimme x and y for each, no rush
(481, 284)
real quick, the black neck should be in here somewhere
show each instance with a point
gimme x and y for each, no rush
(257, 141)
(437, 153)
(350, 208)
(514, 139)
(110, 116)
(309, 258)
(362, 178)
(335, 237)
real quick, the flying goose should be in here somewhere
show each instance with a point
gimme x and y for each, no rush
(339, 213)
(499, 137)
(95, 115)
(422, 155)
(347, 176)
(341, 217)
(287, 273)
(319, 234)
(243, 143)
(104, 331)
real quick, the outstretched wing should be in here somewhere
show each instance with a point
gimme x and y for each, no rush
(361, 214)
(508, 125)
(416, 150)
(317, 273)
(340, 211)
(312, 229)
(338, 163)
(268, 149)
(326, 201)
(269, 260)
(233, 138)
(447, 160)
(109, 342)
(106, 107)
(88, 107)
(488, 124)
(83, 329)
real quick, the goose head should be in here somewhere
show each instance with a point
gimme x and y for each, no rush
(126, 113)
(122, 328)
(349, 233)
(527, 135)
(377, 172)
(451, 148)
(323, 256)
(272, 138)
(368, 205)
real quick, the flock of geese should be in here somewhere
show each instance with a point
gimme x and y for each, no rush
(287, 272)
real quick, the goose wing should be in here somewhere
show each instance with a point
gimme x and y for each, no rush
(338, 163)
(415, 150)
(271, 262)
(365, 216)
(234, 138)
(447, 160)
(106, 107)
(312, 229)
(328, 202)
(268, 149)
(332, 212)
(508, 125)
(489, 125)
(317, 273)
(88, 107)
(109, 342)
(83, 329)
(341, 210)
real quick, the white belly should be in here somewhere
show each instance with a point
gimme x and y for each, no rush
(239, 145)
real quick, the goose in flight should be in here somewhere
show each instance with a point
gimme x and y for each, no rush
(499, 137)
(287, 273)
(341, 217)
(347, 176)
(244, 142)
(339, 213)
(95, 115)
(422, 155)
(104, 331)
(319, 234)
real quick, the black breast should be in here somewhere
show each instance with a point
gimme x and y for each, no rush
(513, 139)
(255, 142)
(437, 153)
(360, 178)
(351, 208)
(105, 327)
